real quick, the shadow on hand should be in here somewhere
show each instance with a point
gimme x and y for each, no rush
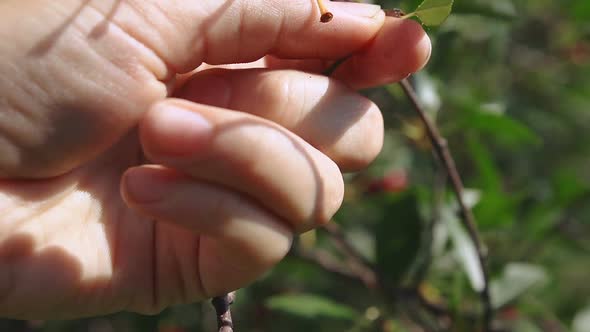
(46, 276)
(318, 211)
(40, 272)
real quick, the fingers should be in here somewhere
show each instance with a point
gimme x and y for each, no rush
(344, 125)
(187, 33)
(229, 225)
(400, 49)
(248, 154)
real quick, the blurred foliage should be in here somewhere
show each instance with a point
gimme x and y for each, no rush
(509, 85)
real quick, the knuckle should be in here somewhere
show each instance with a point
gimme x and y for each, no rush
(283, 95)
(364, 142)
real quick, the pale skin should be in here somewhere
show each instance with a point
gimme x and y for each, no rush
(127, 186)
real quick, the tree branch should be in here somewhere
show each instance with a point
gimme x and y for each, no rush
(222, 309)
(442, 151)
(340, 240)
(331, 264)
(368, 275)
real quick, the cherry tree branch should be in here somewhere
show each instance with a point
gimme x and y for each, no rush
(442, 151)
(222, 309)
(367, 273)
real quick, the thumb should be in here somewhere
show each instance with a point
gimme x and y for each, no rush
(187, 33)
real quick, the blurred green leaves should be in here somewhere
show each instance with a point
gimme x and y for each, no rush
(515, 280)
(505, 131)
(398, 235)
(581, 322)
(309, 306)
(463, 247)
(497, 9)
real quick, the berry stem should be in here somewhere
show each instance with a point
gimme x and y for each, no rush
(326, 16)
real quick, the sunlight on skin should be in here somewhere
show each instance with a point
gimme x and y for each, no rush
(74, 241)
(73, 245)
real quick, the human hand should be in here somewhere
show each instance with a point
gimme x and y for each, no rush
(116, 197)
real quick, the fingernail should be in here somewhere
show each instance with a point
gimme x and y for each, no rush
(425, 44)
(144, 186)
(356, 9)
(178, 132)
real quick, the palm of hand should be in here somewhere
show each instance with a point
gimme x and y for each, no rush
(72, 245)
(74, 241)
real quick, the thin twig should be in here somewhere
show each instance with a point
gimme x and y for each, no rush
(359, 275)
(222, 309)
(336, 234)
(331, 264)
(339, 238)
(391, 294)
(441, 147)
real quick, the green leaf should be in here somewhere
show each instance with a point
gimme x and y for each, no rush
(503, 129)
(567, 187)
(463, 248)
(581, 322)
(398, 235)
(581, 10)
(525, 325)
(433, 12)
(488, 176)
(311, 307)
(516, 279)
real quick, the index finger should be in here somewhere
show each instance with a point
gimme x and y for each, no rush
(401, 48)
(187, 33)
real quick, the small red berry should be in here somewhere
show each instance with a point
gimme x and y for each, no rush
(392, 182)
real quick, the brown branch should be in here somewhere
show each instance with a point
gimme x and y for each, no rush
(368, 275)
(442, 151)
(340, 240)
(391, 293)
(331, 264)
(222, 309)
